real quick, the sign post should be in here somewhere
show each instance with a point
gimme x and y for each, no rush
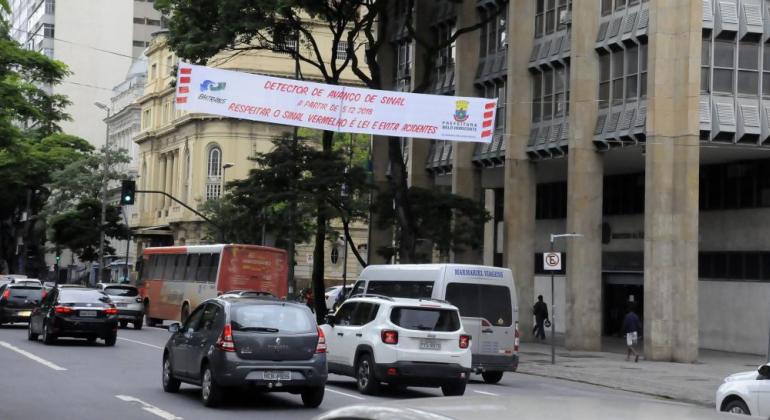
(552, 261)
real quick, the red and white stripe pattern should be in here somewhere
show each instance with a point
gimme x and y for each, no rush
(183, 85)
(489, 120)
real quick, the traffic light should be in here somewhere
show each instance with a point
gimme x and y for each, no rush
(127, 192)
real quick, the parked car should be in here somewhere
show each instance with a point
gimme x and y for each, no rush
(406, 342)
(126, 298)
(26, 281)
(746, 393)
(332, 293)
(18, 300)
(9, 278)
(266, 343)
(75, 312)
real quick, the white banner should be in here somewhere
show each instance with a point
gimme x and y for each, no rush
(337, 108)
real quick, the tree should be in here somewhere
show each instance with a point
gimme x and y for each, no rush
(78, 229)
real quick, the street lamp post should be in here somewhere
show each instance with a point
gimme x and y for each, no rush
(553, 300)
(104, 189)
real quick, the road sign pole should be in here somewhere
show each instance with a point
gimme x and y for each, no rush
(553, 317)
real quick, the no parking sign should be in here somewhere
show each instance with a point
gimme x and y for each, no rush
(552, 261)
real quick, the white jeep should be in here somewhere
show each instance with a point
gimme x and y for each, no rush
(402, 342)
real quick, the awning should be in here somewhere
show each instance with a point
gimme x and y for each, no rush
(160, 230)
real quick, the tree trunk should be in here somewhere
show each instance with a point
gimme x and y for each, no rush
(317, 277)
(407, 244)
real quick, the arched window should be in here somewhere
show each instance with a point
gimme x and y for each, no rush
(214, 179)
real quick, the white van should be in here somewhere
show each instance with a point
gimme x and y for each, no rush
(486, 297)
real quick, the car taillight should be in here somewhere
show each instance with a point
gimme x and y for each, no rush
(389, 336)
(225, 341)
(465, 341)
(321, 346)
(516, 338)
(63, 310)
(6, 294)
(44, 294)
(111, 311)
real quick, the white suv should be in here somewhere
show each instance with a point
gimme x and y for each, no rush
(403, 342)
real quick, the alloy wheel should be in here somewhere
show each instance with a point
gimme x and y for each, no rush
(363, 374)
(206, 385)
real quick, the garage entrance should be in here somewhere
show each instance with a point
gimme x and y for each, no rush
(619, 290)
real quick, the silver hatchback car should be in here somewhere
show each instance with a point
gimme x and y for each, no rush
(126, 298)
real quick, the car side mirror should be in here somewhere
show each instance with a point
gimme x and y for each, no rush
(764, 370)
(174, 328)
(331, 320)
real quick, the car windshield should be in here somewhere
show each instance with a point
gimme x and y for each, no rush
(271, 318)
(426, 319)
(404, 289)
(121, 291)
(82, 296)
(489, 302)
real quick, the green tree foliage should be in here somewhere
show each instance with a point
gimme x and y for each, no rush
(78, 229)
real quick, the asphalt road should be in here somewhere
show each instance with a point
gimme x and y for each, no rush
(75, 380)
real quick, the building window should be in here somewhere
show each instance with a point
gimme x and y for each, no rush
(284, 44)
(643, 71)
(560, 89)
(620, 4)
(147, 119)
(214, 179)
(551, 201)
(48, 30)
(537, 95)
(606, 7)
(705, 65)
(632, 72)
(604, 80)
(502, 30)
(539, 16)
(50, 7)
(547, 94)
(748, 68)
(498, 90)
(617, 78)
(550, 16)
(404, 60)
(342, 50)
(766, 70)
(724, 63)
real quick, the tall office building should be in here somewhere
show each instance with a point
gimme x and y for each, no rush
(641, 125)
(97, 40)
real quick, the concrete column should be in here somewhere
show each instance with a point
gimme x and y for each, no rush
(161, 180)
(671, 182)
(169, 179)
(520, 180)
(489, 228)
(466, 180)
(173, 178)
(584, 186)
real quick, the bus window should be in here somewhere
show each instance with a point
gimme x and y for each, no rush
(168, 267)
(203, 267)
(179, 267)
(212, 277)
(192, 267)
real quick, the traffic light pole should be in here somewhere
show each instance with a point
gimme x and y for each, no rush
(196, 212)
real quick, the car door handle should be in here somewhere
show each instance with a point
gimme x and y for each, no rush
(487, 331)
(359, 335)
(340, 334)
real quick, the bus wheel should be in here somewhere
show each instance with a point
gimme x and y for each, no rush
(185, 313)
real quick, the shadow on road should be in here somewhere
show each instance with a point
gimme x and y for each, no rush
(245, 398)
(386, 391)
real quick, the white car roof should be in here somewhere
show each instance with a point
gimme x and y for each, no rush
(422, 272)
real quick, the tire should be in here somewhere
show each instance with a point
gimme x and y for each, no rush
(312, 397)
(138, 323)
(736, 406)
(453, 389)
(30, 335)
(185, 313)
(211, 393)
(492, 377)
(170, 383)
(365, 380)
(123, 324)
(110, 340)
(48, 339)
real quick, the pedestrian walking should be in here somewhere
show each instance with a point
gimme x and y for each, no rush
(632, 327)
(540, 311)
(309, 300)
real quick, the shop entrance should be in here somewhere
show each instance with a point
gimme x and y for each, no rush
(619, 290)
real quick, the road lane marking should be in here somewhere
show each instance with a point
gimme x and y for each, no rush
(486, 393)
(141, 342)
(344, 393)
(149, 407)
(29, 355)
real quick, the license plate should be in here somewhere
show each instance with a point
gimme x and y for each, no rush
(24, 313)
(278, 375)
(430, 345)
(88, 313)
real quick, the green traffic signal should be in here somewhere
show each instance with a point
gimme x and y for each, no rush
(128, 192)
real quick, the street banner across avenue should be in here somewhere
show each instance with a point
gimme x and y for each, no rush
(337, 108)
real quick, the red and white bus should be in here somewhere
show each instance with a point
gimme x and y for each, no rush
(174, 280)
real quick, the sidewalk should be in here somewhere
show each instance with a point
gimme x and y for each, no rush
(695, 383)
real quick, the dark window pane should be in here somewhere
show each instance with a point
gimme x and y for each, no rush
(705, 52)
(425, 319)
(606, 7)
(129, 291)
(723, 53)
(287, 319)
(604, 67)
(748, 55)
(492, 303)
(735, 265)
(748, 82)
(604, 94)
(408, 289)
(632, 60)
(643, 85)
(766, 58)
(752, 266)
(723, 80)
(766, 84)
(617, 91)
(617, 65)
(705, 79)
(631, 86)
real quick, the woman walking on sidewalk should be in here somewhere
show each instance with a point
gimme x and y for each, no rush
(632, 327)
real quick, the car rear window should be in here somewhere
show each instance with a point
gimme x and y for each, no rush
(404, 289)
(490, 302)
(82, 296)
(121, 291)
(23, 291)
(425, 319)
(284, 319)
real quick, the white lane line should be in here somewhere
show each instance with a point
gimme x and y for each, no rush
(486, 393)
(149, 407)
(32, 356)
(141, 342)
(344, 393)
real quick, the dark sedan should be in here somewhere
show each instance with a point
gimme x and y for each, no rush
(263, 343)
(75, 312)
(18, 300)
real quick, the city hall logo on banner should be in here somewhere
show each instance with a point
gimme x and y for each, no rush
(461, 111)
(208, 85)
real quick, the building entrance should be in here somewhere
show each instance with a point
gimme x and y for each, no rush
(619, 290)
